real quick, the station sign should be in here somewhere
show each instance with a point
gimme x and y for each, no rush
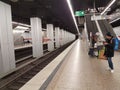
(80, 13)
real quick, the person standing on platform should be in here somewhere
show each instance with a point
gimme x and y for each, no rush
(99, 42)
(92, 44)
(109, 50)
(94, 39)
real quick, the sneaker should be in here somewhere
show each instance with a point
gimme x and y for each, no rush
(112, 71)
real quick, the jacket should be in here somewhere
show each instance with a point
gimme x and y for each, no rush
(109, 48)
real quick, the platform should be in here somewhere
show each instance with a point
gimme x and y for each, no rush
(22, 46)
(81, 72)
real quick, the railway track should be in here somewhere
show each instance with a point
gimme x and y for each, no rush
(21, 53)
(17, 79)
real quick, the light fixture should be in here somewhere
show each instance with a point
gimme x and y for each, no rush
(21, 24)
(21, 28)
(18, 31)
(112, 2)
(72, 12)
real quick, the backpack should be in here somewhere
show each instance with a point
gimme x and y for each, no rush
(116, 43)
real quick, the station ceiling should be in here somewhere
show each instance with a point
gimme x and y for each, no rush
(50, 11)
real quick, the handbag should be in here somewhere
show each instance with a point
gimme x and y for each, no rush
(101, 54)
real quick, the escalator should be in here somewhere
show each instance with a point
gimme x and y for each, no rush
(95, 29)
(88, 25)
(102, 27)
(91, 25)
(106, 27)
(109, 28)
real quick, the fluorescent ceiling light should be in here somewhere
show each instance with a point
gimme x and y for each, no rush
(44, 29)
(21, 28)
(72, 12)
(108, 7)
(21, 24)
(18, 31)
(115, 20)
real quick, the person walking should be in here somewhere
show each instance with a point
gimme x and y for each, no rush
(109, 50)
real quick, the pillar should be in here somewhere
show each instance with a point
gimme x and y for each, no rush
(62, 34)
(50, 36)
(36, 29)
(69, 36)
(65, 37)
(7, 55)
(57, 37)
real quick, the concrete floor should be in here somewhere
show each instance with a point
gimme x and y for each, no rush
(81, 72)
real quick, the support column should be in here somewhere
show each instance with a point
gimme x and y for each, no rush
(62, 34)
(7, 56)
(69, 36)
(65, 37)
(50, 36)
(57, 37)
(36, 29)
(60, 31)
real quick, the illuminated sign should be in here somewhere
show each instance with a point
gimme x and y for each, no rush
(79, 13)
